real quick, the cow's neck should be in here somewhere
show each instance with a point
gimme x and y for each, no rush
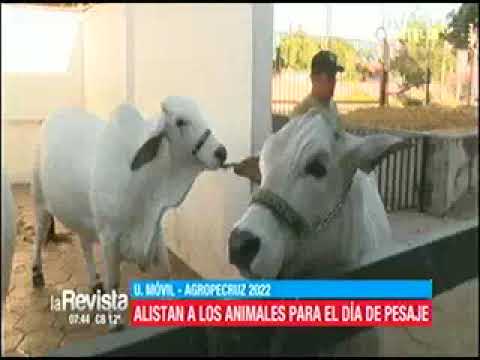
(172, 177)
(356, 238)
(344, 241)
(182, 172)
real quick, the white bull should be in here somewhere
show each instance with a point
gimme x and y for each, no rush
(8, 234)
(317, 208)
(111, 182)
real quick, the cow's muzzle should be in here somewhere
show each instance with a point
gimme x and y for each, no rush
(243, 247)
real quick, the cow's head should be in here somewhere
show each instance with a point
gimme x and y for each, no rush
(187, 129)
(306, 169)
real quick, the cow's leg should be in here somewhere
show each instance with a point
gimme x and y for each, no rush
(44, 221)
(165, 268)
(93, 278)
(111, 258)
(51, 232)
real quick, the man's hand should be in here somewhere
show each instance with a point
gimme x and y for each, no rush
(249, 169)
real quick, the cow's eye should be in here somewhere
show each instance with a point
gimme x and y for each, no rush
(316, 168)
(181, 122)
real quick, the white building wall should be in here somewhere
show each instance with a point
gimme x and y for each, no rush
(204, 51)
(28, 98)
(105, 57)
(142, 53)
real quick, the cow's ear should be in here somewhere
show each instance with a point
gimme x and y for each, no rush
(149, 149)
(368, 151)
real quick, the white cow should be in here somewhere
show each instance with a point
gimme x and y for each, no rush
(317, 209)
(113, 181)
(8, 234)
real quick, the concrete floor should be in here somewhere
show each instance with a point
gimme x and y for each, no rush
(455, 312)
(454, 331)
(31, 328)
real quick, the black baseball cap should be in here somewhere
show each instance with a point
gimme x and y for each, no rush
(325, 62)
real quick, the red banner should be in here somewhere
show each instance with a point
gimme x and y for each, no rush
(281, 313)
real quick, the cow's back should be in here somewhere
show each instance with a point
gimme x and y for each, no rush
(65, 160)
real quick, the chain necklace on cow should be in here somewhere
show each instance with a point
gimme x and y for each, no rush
(285, 213)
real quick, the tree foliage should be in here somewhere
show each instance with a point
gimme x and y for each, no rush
(423, 47)
(297, 50)
(347, 56)
(458, 27)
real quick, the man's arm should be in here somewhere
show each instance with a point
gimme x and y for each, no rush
(249, 169)
(302, 107)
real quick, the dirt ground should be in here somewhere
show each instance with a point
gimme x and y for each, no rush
(415, 118)
(31, 328)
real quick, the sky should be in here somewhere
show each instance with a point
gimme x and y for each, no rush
(354, 21)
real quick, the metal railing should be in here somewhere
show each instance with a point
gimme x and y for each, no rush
(290, 87)
(400, 174)
(431, 257)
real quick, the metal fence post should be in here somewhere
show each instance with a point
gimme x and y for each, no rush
(386, 67)
(383, 87)
(427, 88)
(424, 186)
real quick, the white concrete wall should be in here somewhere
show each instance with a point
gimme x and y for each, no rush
(447, 171)
(142, 53)
(27, 98)
(203, 51)
(105, 50)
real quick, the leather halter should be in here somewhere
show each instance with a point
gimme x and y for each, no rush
(201, 141)
(282, 210)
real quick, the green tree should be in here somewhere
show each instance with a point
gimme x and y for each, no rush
(366, 54)
(458, 27)
(347, 56)
(423, 46)
(297, 50)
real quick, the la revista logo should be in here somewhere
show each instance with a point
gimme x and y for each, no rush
(72, 301)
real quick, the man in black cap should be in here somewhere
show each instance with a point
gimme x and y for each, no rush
(323, 76)
(324, 69)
